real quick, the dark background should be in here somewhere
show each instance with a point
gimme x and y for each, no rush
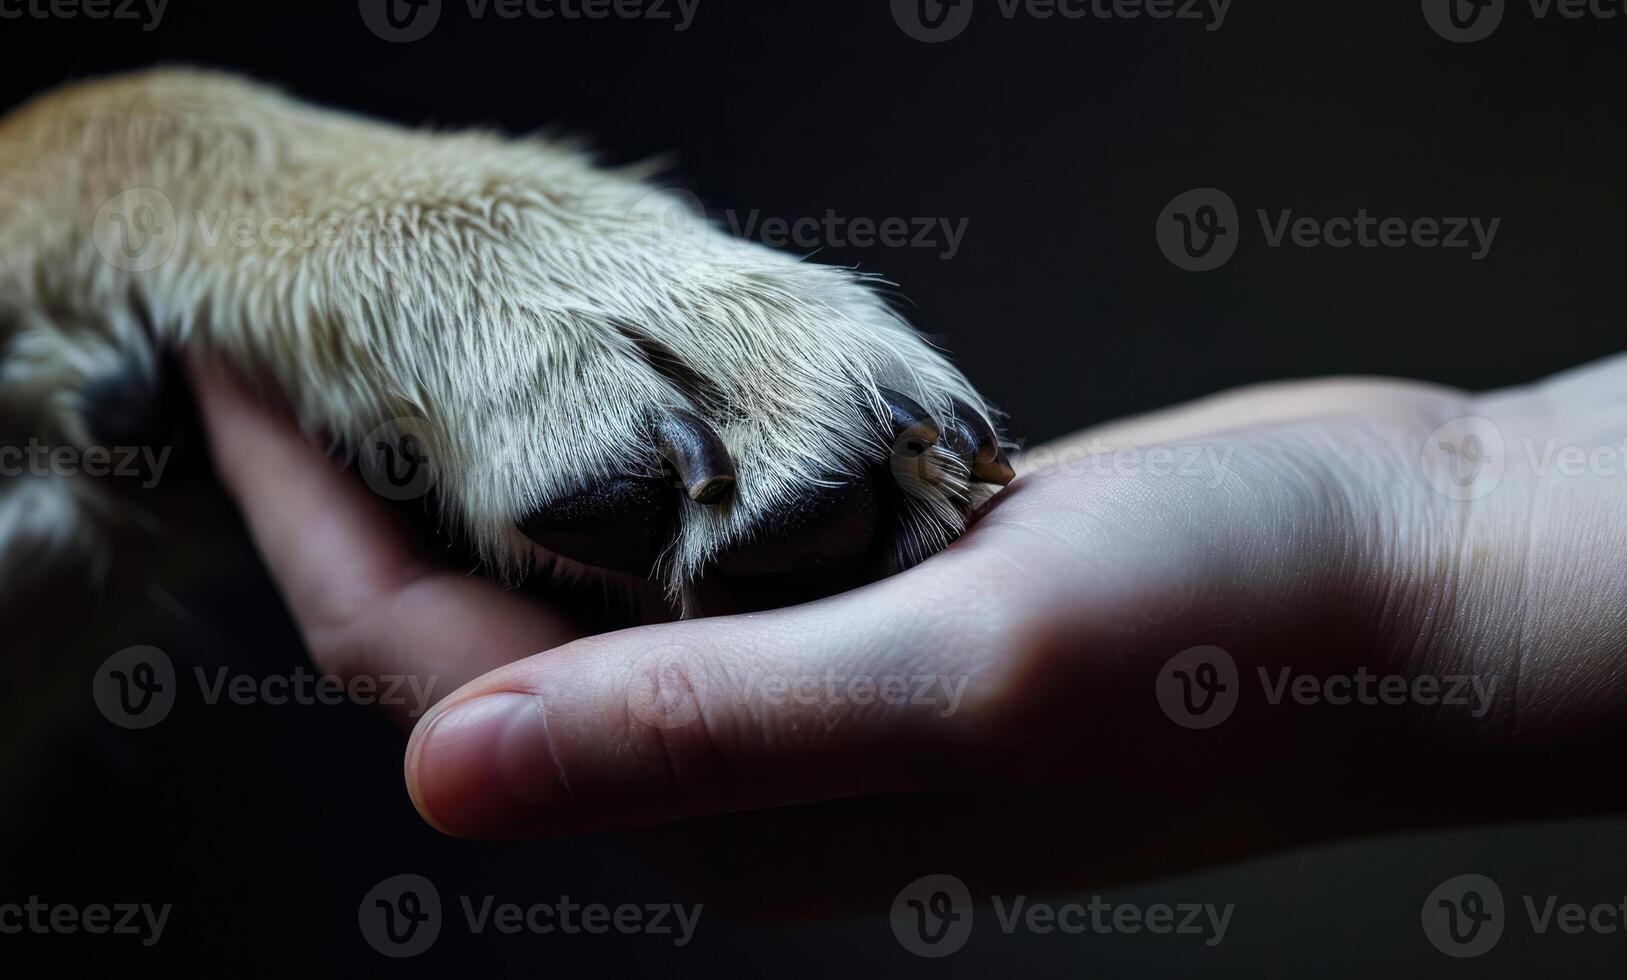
(1060, 142)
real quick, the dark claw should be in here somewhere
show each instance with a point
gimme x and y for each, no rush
(837, 535)
(972, 438)
(909, 420)
(620, 525)
(698, 455)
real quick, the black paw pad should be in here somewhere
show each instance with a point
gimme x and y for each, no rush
(126, 408)
(621, 525)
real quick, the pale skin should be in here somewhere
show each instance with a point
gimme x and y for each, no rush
(1031, 648)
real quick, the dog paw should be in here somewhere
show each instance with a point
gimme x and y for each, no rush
(597, 376)
(758, 431)
(746, 428)
(783, 536)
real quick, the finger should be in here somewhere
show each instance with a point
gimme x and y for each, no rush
(852, 695)
(1258, 405)
(364, 601)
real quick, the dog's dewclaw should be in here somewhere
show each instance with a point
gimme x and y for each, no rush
(698, 455)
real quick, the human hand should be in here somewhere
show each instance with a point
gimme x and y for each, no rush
(1309, 537)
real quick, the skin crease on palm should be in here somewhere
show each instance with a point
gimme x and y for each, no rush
(1318, 546)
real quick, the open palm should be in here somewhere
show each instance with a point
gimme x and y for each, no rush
(1383, 584)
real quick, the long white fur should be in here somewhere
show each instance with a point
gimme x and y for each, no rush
(497, 288)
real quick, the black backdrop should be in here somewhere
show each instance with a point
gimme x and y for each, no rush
(1057, 143)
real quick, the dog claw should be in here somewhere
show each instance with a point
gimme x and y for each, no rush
(973, 439)
(698, 455)
(909, 420)
(835, 536)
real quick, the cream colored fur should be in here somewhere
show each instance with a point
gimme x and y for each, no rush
(502, 289)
